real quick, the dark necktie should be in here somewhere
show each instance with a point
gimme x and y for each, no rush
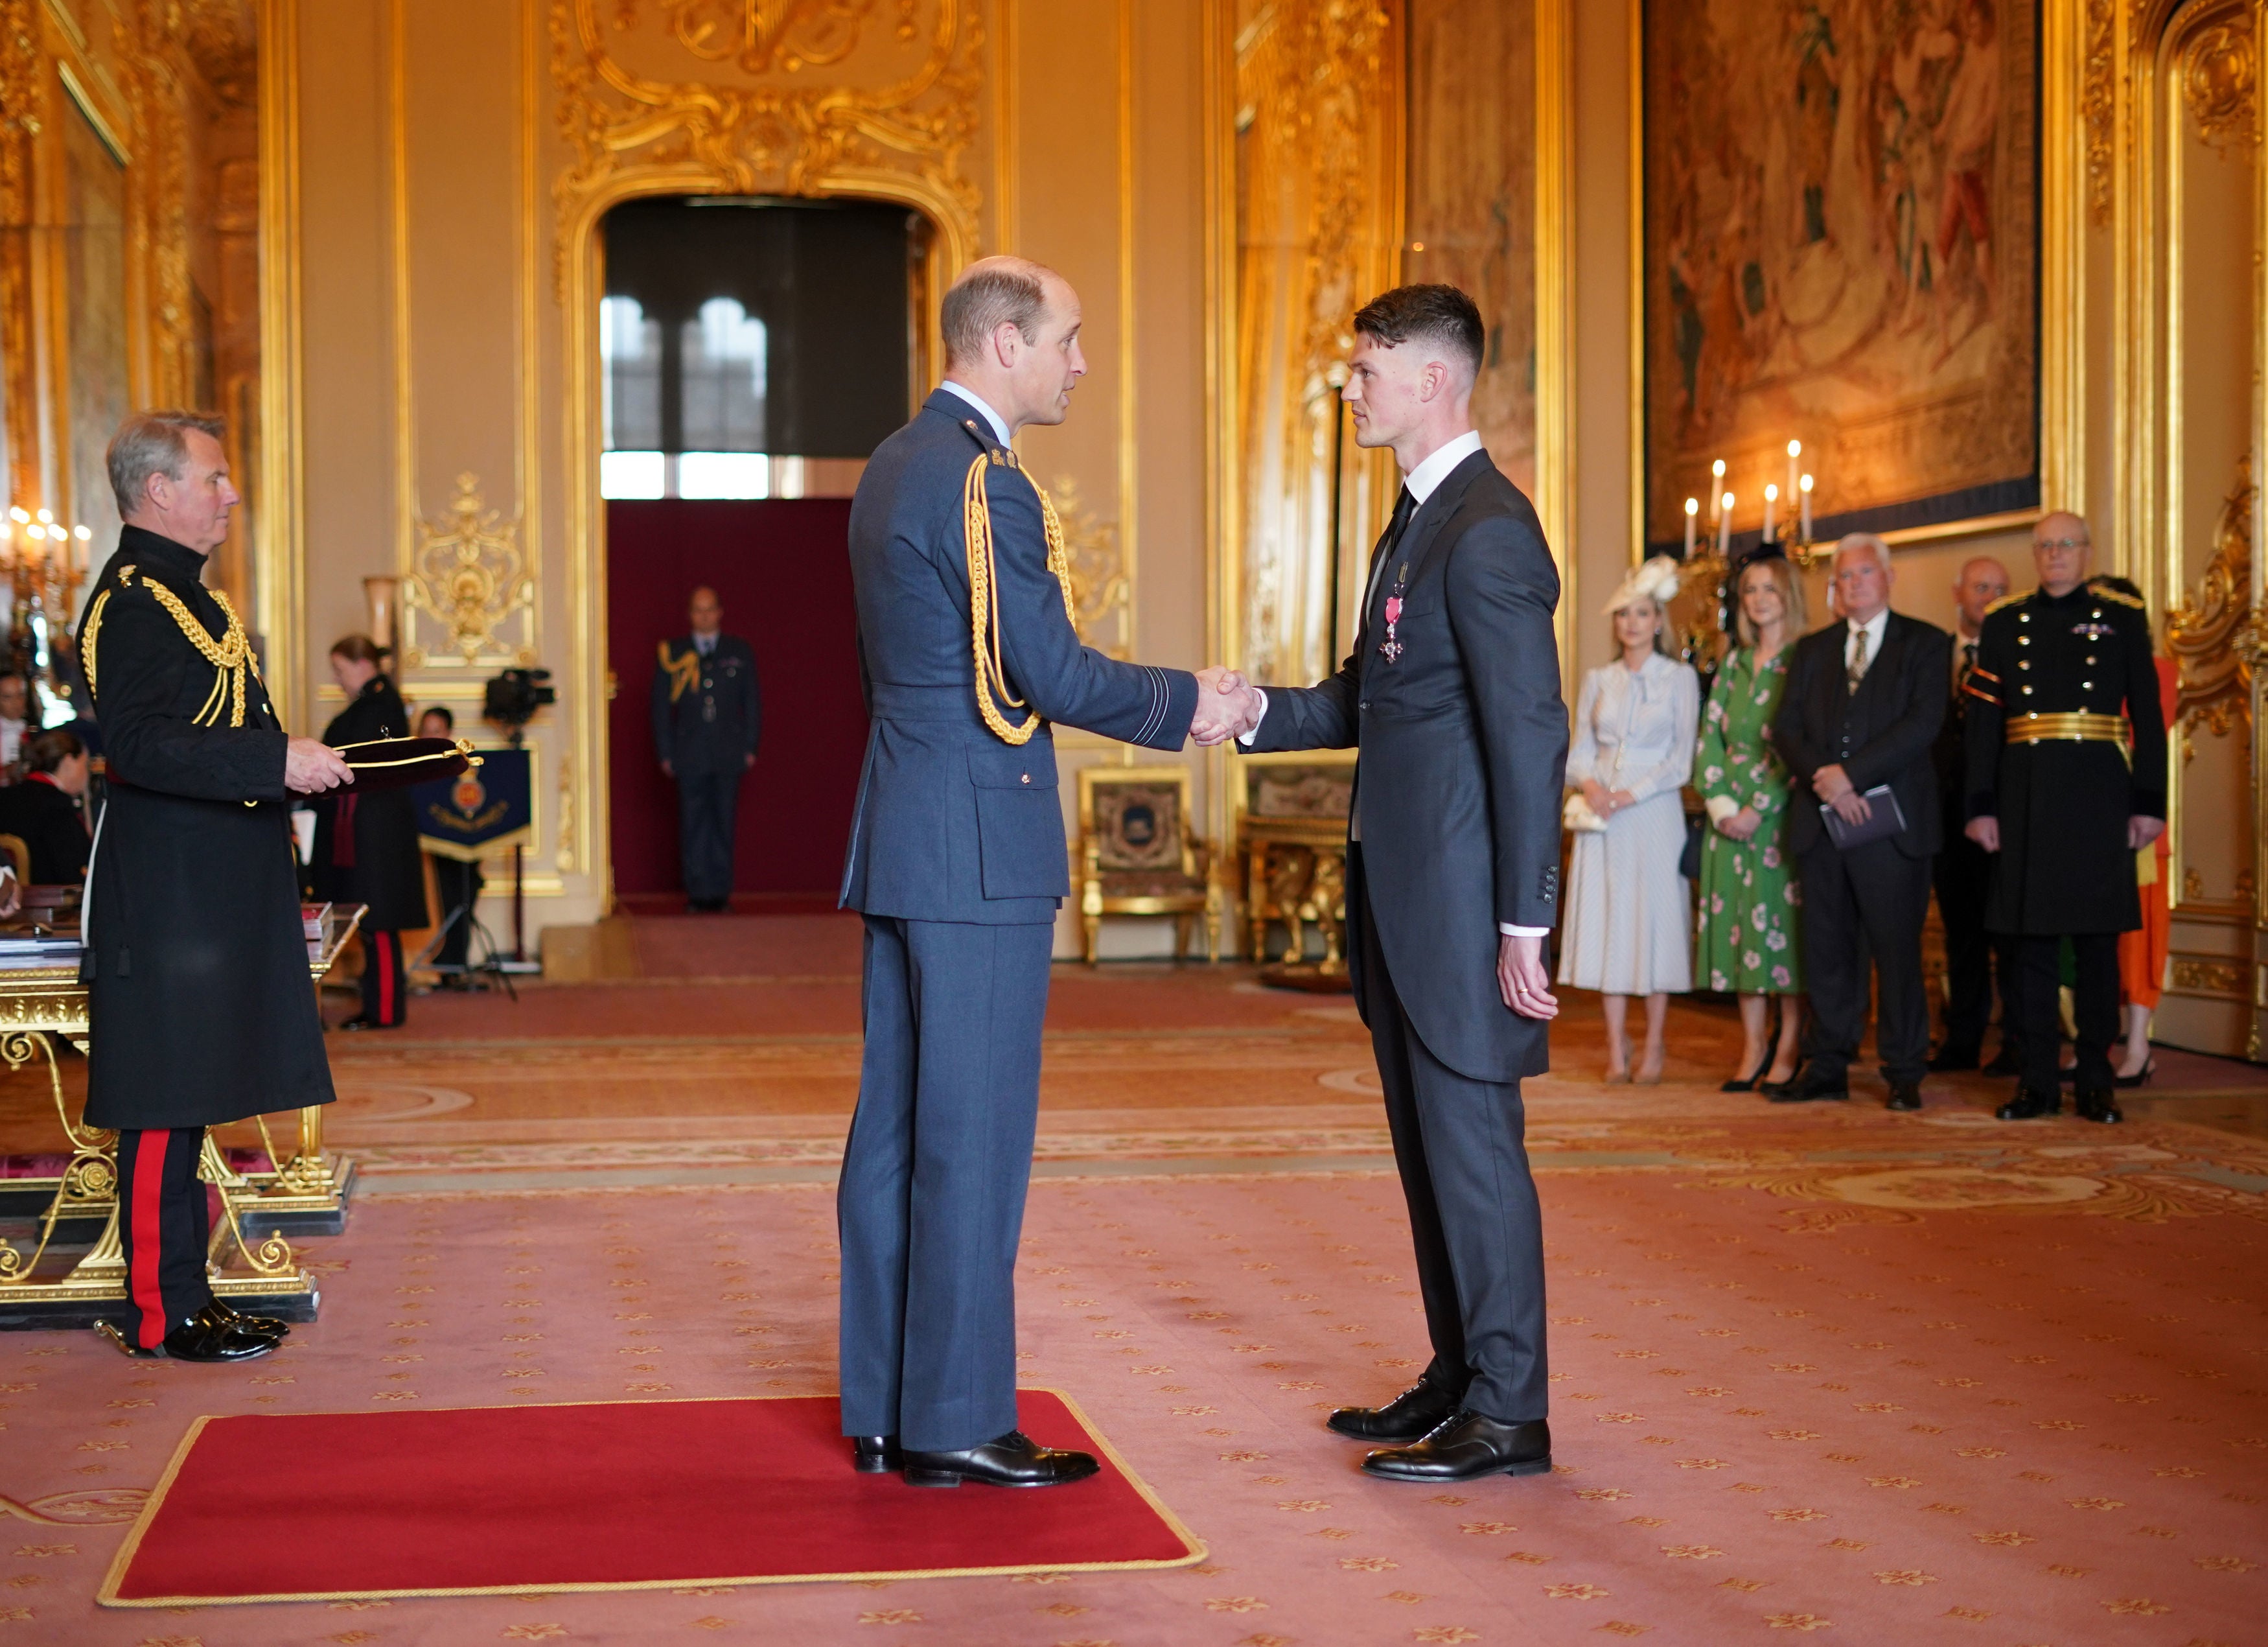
(1967, 663)
(1405, 506)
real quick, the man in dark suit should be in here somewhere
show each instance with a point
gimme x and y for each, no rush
(1865, 702)
(1452, 697)
(2064, 683)
(957, 861)
(195, 964)
(1974, 961)
(708, 715)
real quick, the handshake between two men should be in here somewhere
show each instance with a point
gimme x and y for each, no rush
(1228, 706)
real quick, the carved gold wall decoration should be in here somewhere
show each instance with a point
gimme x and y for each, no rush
(469, 577)
(745, 127)
(2099, 103)
(2221, 75)
(1099, 587)
(2194, 975)
(2211, 635)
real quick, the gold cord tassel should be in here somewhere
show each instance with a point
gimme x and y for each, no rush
(984, 600)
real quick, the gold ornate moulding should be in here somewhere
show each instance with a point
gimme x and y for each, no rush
(308, 1192)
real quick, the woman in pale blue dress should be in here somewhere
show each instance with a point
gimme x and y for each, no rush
(1629, 924)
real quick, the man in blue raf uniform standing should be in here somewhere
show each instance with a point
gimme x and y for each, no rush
(957, 860)
(708, 716)
(2066, 783)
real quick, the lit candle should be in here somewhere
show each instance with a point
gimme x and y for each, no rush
(1692, 511)
(81, 549)
(1724, 525)
(19, 516)
(1771, 501)
(36, 531)
(1717, 493)
(1795, 451)
(1804, 494)
(47, 517)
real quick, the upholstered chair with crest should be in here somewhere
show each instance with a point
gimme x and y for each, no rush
(1140, 855)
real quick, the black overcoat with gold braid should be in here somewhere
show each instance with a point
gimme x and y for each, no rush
(201, 1006)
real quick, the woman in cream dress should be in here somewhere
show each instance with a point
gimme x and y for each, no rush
(1629, 923)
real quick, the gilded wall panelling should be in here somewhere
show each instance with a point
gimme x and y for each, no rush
(279, 490)
(468, 575)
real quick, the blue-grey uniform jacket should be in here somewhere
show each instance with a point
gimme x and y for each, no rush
(708, 712)
(953, 823)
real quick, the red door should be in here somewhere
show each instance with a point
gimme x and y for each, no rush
(783, 570)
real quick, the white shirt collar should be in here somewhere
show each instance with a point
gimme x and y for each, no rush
(1000, 427)
(1423, 480)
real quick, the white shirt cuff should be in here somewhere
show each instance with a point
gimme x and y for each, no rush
(1721, 808)
(1246, 739)
(1511, 931)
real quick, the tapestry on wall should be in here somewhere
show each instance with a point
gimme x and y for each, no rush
(1841, 246)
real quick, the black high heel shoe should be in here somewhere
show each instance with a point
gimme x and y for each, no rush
(1749, 1085)
(2140, 1077)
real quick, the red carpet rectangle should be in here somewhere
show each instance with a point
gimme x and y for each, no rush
(599, 1495)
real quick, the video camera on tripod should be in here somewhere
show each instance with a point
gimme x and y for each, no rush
(513, 697)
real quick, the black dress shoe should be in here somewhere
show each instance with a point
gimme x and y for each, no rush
(204, 1336)
(1949, 1059)
(2029, 1105)
(235, 1317)
(875, 1455)
(364, 1021)
(1810, 1087)
(2098, 1106)
(1014, 1460)
(1905, 1095)
(1407, 1417)
(1466, 1446)
(2006, 1061)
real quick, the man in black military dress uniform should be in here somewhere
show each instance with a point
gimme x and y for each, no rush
(708, 716)
(2063, 679)
(195, 963)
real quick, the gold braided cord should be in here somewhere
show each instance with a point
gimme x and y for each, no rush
(229, 655)
(684, 673)
(86, 640)
(984, 598)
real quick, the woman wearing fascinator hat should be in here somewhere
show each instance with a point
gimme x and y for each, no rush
(1628, 924)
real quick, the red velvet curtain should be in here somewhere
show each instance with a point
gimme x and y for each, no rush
(782, 569)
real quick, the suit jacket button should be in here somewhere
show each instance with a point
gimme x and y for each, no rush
(1365, 704)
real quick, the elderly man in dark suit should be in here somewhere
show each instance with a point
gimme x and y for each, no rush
(707, 717)
(1865, 701)
(957, 861)
(1452, 697)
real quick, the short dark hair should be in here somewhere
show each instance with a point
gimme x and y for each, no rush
(997, 291)
(51, 749)
(1437, 314)
(448, 718)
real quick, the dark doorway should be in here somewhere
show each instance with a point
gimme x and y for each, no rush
(753, 355)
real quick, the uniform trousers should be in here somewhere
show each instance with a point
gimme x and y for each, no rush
(2094, 1007)
(165, 1221)
(1975, 960)
(1867, 903)
(708, 805)
(384, 984)
(930, 1204)
(1460, 1145)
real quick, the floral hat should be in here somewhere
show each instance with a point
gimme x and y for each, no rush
(1656, 581)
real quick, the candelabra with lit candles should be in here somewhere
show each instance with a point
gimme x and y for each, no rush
(46, 564)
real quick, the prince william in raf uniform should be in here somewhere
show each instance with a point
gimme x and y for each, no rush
(957, 861)
(1452, 696)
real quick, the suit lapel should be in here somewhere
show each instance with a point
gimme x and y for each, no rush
(1425, 525)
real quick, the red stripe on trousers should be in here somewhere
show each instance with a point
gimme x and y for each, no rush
(149, 1196)
(385, 942)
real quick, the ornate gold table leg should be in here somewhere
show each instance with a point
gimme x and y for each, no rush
(308, 1191)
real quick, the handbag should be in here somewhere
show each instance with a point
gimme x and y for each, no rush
(1697, 831)
(1578, 817)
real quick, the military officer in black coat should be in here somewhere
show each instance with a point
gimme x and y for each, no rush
(708, 717)
(2063, 680)
(366, 848)
(1977, 964)
(196, 961)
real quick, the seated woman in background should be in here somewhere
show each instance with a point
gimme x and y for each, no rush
(1750, 906)
(43, 810)
(456, 882)
(1627, 930)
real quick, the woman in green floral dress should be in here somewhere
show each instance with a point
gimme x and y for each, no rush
(1751, 905)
